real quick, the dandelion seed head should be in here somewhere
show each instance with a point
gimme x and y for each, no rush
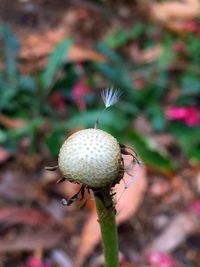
(91, 157)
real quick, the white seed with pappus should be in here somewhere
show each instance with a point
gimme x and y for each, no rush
(91, 157)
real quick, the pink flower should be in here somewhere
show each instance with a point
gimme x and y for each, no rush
(58, 101)
(179, 47)
(160, 259)
(195, 206)
(191, 26)
(79, 91)
(33, 261)
(189, 115)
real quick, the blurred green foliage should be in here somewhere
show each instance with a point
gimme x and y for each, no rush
(28, 97)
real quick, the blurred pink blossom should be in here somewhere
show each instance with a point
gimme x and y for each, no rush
(58, 101)
(191, 26)
(189, 115)
(79, 91)
(195, 206)
(179, 47)
(33, 261)
(160, 259)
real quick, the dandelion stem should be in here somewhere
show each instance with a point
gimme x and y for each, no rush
(106, 215)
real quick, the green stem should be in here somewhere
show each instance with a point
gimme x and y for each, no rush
(106, 216)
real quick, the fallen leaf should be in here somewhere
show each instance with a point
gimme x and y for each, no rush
(174, 14)
(14, 186)
(38, 46)
(29, 162)
(147, 55)
(11, 123)
(127, 205)
(32, 239)
(80, 54)
(131, 199)
(175, 10)
(178, 230)
(159, 188)
(30, 216)
(90, 236)
(151, 54)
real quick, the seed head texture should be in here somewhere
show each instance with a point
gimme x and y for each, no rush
(91, 157)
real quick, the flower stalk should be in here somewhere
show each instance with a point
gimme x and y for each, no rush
(107, 222)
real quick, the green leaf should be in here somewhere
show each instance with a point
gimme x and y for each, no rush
(188, 138)
(88, 118)
(27, 83)
(56, 59)
(7, 94)
(190, 85)
(193, 48)
(30, 128)
(112, 55)
(149, 155)
(117, 38)
(54, 142)
(10, 52)
(194, 154)
(3, 136)
(117, 71)
(157, 117)
(137, 30)
(119, 78)
(120, 37)
(167, 57)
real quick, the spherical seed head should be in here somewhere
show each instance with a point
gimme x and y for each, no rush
(91, 157)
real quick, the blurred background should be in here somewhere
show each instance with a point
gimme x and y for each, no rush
(55, 58)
